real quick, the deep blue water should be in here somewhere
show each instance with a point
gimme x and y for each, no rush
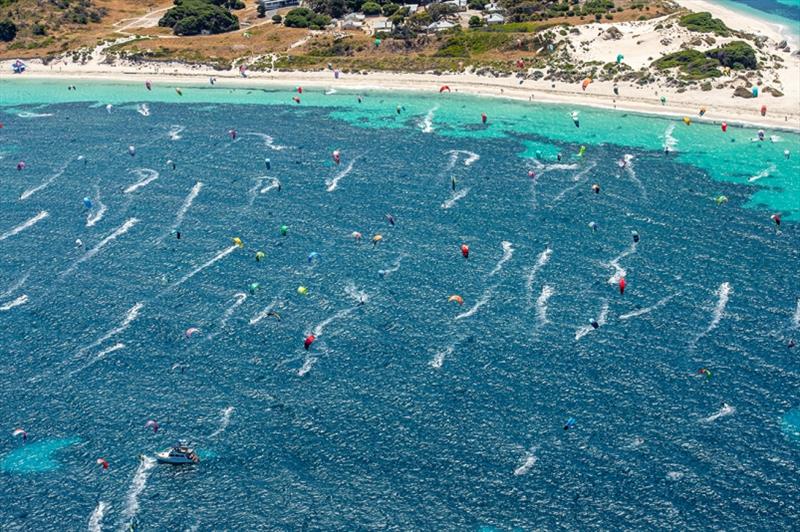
(406, 416)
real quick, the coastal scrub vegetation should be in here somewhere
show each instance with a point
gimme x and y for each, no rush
(303, 17)
(696, 65)
(194, 17)
(704, 23)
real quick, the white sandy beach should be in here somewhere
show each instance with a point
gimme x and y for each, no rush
(640, 43)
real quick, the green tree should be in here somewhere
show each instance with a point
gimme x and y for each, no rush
(8, 30)
(475, 21)
(277, 19)
(390, 9)
(261, 10)
(371, 8)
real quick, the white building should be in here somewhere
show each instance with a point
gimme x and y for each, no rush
(382, 25)
(442, 25)
(495, 18)
(494, 7)
(460, 4)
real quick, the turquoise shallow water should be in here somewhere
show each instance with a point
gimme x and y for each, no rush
(408, 412)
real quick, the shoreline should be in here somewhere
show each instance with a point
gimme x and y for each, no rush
(469, 84)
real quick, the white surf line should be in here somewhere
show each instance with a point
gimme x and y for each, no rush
(98, 357)
(145, 175)
(263, 313)
(21, 300)
(175, 132)
(541, 304)
(438, 359)
(136, 488)
(640, 312)
(619, 271)
(95, 215)
(96, 519)
(485, 298)
(670, 142)
(46, 183)
(218, 257)
(333, 183)
(239, 298)
(628, 158)
(269, 142)
(457, 195)
(725, 410)
(426, 124)
(129, 318)
(577, 179)
(19, 283)
(187, 204)
(723, 294)
(601, 320)
(223, 422)
(766, 172)
(25, 225)
(508, 252)
(541, 262)
(527, 464)
(119, 231)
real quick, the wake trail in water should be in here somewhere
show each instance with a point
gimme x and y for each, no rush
(396, 266)
(439, 357)
(269, 142)
(259, 188)
(426, 124)
(239, 298)
(333, 183)
(577, 179)
(541, 304)
(25, 225)
(647, 310)
(508, 252)
(119, 231)
(95, 215)
(98, 357)
(216, 258)
(457, 195)
(527, 464)
(601, 320)
(265, 312)
(670, 142)
(96, 519)
(129, 318)
(179, 216)
(541, 262)
(145, 175)
(766, 172)
(134, 490)
(795, 318)
(629, 169)
(21, 300)
(484, 299)
(19, 283)
(307, 365)
(320, 327)
(46, 183)
(28, 114)
(470, 158)
(619, 271)
(725, 410)
(224, 421)
(175, 132)
(723, 294)
(143, 109)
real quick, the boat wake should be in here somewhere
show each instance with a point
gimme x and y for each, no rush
(239, 298)
(308, 363)
(24, 225)
(484, 299)
(457, 195)
(619, 271)
(119, 231)
(723, 294)
(223, 422)
(145, 175)
(98, 357)
(19, 283)
(135, 489)
(601, 320)
(21, 300)
(96, 214)
(647, 310)
(628, 158)
(766, 172)
(129, 318)
(333, 183)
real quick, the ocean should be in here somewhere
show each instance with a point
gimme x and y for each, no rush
(408, 411)
(783, 13)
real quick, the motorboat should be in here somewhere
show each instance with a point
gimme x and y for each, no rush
(179, 454)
